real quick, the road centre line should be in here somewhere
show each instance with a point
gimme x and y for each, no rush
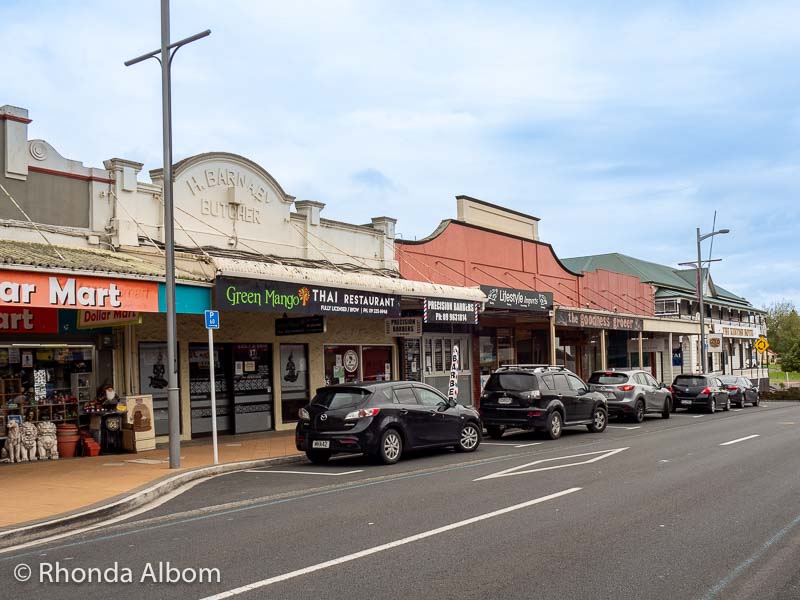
(305, 472)
(749, 437)
(516, 470)
(383, 547)
(526, 445)
(698, 416)
(738, 409)
(623, 427)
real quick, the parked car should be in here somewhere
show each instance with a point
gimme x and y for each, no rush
(541, 398)
(383, 420)
(631, 393)
(741, 390)
(700, 391)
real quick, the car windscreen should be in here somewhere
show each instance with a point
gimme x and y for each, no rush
(511, 382)
(608, 378)
(690, 380)
(729, 380)
(335, 398)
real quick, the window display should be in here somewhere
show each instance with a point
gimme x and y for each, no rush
(153, 381)
(252, 387)
(294, 380)
(200, 388)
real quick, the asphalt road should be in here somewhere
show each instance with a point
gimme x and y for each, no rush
(669, 509)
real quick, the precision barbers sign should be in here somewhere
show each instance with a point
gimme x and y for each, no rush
(584, 320)
(255, 295)
(444, 310)
(500, 297)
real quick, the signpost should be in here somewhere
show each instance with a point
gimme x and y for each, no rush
(761, 345)
(212, 323)
(452, 388)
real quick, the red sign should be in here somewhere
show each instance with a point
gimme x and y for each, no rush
(77, 292)
(28, 320)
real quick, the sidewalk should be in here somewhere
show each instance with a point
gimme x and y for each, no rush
(42, 489)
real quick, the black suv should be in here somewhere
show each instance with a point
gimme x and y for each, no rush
(542, 398)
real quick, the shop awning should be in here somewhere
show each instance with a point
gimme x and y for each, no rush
(232, 267)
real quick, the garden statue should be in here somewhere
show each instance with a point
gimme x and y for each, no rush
(47, 443)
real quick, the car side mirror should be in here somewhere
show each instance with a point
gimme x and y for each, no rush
(451, 403)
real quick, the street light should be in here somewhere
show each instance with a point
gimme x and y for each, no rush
(167, 53)
(700, 289)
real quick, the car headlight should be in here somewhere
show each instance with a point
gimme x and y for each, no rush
(303, 414)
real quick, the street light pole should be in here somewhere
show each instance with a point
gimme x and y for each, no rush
(700, 291)
(167, 52)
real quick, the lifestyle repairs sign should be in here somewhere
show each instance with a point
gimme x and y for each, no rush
(500, 297)
(255, 295)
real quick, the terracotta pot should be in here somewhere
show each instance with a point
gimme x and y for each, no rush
(67, 437)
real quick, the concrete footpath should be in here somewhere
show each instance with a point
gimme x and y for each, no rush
(40, 490)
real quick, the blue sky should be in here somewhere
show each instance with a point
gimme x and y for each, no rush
(622, 125)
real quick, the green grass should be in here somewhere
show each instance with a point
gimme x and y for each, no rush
(777, 376)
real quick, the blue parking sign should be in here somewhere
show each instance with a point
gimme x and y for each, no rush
(212, 319)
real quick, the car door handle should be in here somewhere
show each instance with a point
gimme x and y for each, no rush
(433, 413)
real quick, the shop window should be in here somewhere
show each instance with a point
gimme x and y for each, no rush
(667, 307)
(488, 354)
(342, 364)
(505, 347)
(295, 389)
(200, 389)
(377, 363)
(252, 387)
(438, 360)
(153, 381)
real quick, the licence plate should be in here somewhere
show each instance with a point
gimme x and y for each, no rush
(686, 402)
(320, 444)
(504, 401)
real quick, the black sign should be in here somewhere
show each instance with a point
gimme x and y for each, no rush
(584, 320)
(445, 310)
(300, 325)
(500, 297)
(255, 295)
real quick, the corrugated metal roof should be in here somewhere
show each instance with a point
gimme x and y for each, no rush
(359, 281)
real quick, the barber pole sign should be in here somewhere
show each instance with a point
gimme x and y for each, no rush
(452, 388)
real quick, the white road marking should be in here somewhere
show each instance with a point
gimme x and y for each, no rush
(370, 551)
(516, 470)
(496, 444)
(749, 437)
(623, 427)
(526, 445)
(698, 416)
(305, 472)
(787, 423)
(738, 409)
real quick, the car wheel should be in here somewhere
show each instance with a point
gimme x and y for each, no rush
(599, 420)
(470, 438)
(668, 408)
(756, 401)
(554, 425)
(318, 457)
(727, 404)
(391, 447)
(712, 405)
(494, 432)
(638, 412)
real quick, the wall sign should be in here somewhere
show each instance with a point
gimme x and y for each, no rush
(677, 357)
(714, 341)
(28, 320)
(56, 291)
(255, 295)
(445, 310)
(404, 327)
(584, 320)
(350, 361)
(92, 319)
(500, 297)
(300, 325)
(452, 386)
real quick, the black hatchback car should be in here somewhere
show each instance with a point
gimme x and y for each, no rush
(382, 420)
(741, 390)
(542, 398)
(700, 391)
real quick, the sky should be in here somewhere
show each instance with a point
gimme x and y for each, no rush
(622, 125)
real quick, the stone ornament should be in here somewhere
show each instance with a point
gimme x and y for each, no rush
(28, 435)
(13, 442)
(46, 442)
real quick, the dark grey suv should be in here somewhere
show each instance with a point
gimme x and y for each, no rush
(542, 398)
(631, 393)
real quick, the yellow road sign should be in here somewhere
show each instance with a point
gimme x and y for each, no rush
(761, 344)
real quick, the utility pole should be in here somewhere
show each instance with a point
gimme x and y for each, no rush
(165, 55)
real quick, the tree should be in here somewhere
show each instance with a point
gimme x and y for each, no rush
(783, 326)
(790, 361)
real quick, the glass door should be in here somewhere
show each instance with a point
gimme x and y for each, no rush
(295, 392)
(252, 387)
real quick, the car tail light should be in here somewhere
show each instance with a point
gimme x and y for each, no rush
(534, 413)
(363, 413)
(303, 414)
(733, 388)
(669, 387)
(706, 391)
(625, 388)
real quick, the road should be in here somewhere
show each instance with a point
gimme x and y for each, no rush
(695, 506)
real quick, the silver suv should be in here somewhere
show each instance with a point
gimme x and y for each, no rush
(631, 393)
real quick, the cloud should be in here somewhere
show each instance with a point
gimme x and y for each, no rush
(374, 179)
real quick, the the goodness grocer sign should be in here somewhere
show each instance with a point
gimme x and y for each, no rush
(253, 295)
(89, 293)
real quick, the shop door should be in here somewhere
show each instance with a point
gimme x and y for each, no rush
(295, 392)
(252, 387)
(153, 381)
(200, 389)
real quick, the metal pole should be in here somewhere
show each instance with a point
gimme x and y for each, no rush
(211, 361)
(700, 287)
(169, 241)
